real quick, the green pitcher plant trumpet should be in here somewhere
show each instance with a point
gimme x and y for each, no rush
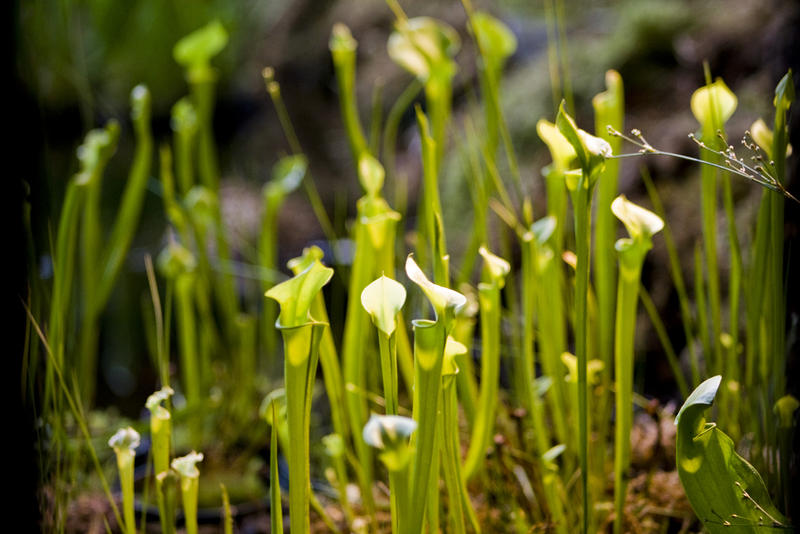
(125, 442)
(186, 467)
(161, 436)
(641, 224)
(301, 336)
(390, 435)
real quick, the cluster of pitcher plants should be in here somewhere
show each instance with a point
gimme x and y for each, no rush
(413, 386)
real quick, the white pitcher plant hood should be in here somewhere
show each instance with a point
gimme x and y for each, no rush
(390, 434)
(442, 298)
(186, 466)
(383, 299)
(155, 400)
(125, 439)
(640, 222)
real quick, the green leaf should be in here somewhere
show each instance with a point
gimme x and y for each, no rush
(383, 299)
(725, 491)
(296, 295)
(197, 48)
(784, 91)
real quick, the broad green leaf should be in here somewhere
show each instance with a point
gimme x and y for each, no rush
(186, 466)
(441, 298)
(383, 299)
(725, 491)
(640, 222)
(712, 105)
(496, 40)
(424, 47)
(496, 266)
(296, 295)
(197, 48)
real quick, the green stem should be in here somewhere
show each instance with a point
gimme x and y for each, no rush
(581, 208)
(489, 296)
(301, 346)
(276, 508)
(429, 342)
(125, 465)
(388, 349)
(627, 295)
(189, 489)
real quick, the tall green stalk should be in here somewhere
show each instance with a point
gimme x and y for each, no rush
(609, 110)
(429, 346)
(495, 271)
(712, 105)
(94, 154)
(641, 225)
(591, 153)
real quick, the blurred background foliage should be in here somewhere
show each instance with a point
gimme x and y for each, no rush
(78, 60)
